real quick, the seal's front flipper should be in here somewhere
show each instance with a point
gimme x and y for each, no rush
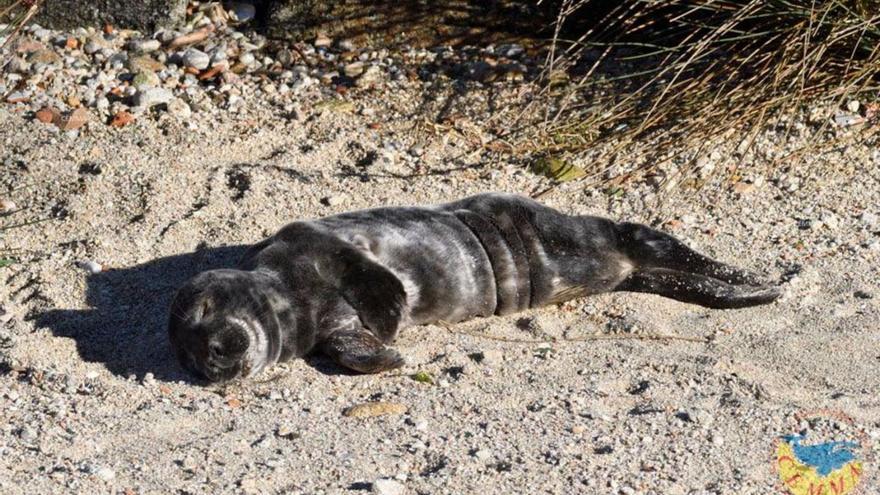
(360, 350)
(374, 292)
(698, 289)
(371, 289)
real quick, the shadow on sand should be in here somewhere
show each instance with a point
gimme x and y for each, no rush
(126, 324)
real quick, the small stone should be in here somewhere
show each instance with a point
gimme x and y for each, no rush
(870, 220)
(196, 59)
(145, 78)
(322, 41)
(122, 119)
(91, 47)
(179, 108)
(27, 434)
(483, 454)
(372, 76)
(859, 294)
(47, 115)
(91, 266)
(853, 106)
(44, 57)
(354, 69)
(149, 97)
(243, 11)
(328, 77)
(18, 65)
(7, 205)
(144, 45)
(91, 375)
(831, 221)
(286, 432)
(373, 409)
(18, 97)
(149, 379)
(848, 119)
(743, 188)
(105, 473)
(335, 200)
(346, 45)
(144, 63)
(247, 58)
(387, 486)
(75, 120)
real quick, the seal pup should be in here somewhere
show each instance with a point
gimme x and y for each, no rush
(346, 284)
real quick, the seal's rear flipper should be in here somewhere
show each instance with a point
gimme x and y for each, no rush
(650, 248)
(698, 289)
(361, 351)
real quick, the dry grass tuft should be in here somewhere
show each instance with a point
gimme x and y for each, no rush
(14, 15)
(684, 75)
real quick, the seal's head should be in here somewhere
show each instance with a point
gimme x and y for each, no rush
(227, 324)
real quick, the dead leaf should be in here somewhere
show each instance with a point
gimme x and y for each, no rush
(674, 224)
(190, 38)
(233, 403)
(743, 187)
(211, 73)
(558, 169)
(122, 119)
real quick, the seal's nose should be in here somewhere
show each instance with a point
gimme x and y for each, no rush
(226, 352)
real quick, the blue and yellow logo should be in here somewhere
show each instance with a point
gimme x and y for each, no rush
(806, 465)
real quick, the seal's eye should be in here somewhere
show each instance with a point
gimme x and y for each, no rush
(204, 309)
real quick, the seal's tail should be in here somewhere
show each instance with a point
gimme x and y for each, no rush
(665, 266)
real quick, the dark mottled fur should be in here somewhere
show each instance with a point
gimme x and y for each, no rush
(346, 284)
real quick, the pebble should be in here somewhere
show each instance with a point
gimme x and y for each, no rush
(372, 76)
(91, 266)
(244, 11)
(144, 79)
(345, 45)
(354, 69)
(196, 59)
(144, 45)
(334, 200)
(144, 63)
(149, 97)
(27, 434)
(388, 486)
(179, 108)
(483, 454)
(7, 205)
(149, 379)
(105, 473)
(247, 58)
(322, 41)
(19, 65)
(870, 220)
(91, 47)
